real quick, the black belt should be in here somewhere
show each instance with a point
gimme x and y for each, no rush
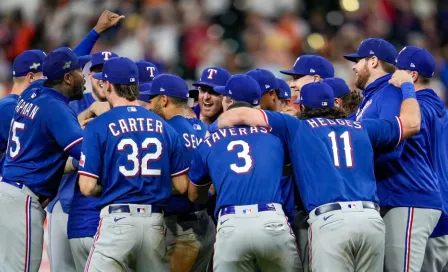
(126, 209)
(43, 200)
(337, 207)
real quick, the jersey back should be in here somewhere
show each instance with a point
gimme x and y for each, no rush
(245, 164)
(134, 153)
(192, 131)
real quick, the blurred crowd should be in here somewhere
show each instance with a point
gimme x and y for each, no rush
(184, 36)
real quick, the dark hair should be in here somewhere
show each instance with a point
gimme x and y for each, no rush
(177, 101)
(387, 67)
(97, 68)
(51, 83)
(329, 113)
(351, 101)
(239, 104)
(127, 91)
(423, 80)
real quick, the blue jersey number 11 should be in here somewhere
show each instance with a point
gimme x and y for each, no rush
(348, 150)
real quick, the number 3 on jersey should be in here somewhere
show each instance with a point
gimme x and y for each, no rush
(348, 150)
(244, 154)
(14, 151)
(133, 157)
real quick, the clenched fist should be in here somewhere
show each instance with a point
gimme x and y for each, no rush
(400, 77)
(107, 20)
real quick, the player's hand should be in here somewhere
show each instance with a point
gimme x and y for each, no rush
(98, 108)
(107, 20)
(84, 123)
(400, 77)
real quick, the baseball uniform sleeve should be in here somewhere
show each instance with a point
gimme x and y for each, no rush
(199, 175)
(91, 158)
(281, 124)
(5, 124)
(384, 134)
(179, 163)
(64, 127)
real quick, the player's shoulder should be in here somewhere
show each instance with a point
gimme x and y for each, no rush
(9, 101)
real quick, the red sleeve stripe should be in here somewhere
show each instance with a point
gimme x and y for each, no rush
(401, 130)
(180, 172)
(200, 185)
(75, 142)
(87, 174)
(266, 120)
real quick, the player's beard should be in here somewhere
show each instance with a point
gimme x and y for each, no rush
(362, 78)
(77, 92)
(157, 109)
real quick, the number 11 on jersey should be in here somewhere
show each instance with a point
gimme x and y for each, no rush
(348, 150)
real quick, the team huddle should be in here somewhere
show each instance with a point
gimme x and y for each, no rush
(136, 178)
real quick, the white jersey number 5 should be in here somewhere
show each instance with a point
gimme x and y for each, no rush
(133, 157)
(244, 154)
(15, 139)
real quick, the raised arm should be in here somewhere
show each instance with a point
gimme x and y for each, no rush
(410, 115)
(242, 116)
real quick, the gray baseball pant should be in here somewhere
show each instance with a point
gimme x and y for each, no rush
(350, 239)
(436, 255)
(132, 241)
(407, 232)
(190, 241)
(80, 248)
(58, 248)
(245, 239)
(21, 229)
(300, 227)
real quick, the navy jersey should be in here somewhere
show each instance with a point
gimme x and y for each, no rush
(436, 116)
(245, 164)
(43, 133)
(333, 159)
(192, 131)
(134, 153)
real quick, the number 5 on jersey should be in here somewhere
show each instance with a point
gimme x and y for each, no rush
(15, 150)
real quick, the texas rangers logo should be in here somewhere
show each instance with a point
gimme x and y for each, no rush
(106, 55)
(151, 70)
(211, 72)
(67, 65)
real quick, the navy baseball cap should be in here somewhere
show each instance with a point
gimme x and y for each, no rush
(62, 61)
(338, 85)
(417, 59)
(285, 90)
(170, 85)
(380, 48)
(311, 65)
(316, 95)
(119, 70)
(146, 71)
(266, 79)
(213, 76)
(101, 57)
(144, 91)
(28, 61)
(241, 88)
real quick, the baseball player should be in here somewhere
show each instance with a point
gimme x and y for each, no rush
(245, 164)
(269, 88)
(44, 130)
(285, 97)
(420, 64)
(210, 102)
(137, 158)
(407, 185)
(345, 99)
(58, 247)
(83, 216)
(306, 69)
(346, 230)
(190, 230)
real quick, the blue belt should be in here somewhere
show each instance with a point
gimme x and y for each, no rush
(261, 208)
(13, 183)
(336, 207)
(127, 209)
